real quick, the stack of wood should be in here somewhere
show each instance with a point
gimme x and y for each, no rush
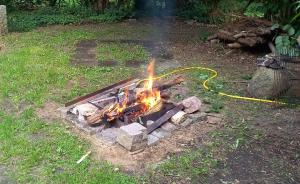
(245, 32)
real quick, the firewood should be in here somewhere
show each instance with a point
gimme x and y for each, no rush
(234, 45)
(251, 41)
(244, 34)
(212, 37)
(170, 83)
(226, 36)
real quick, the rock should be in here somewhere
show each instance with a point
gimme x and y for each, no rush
(169, 127)
(152, 140)
(268, 83)
(198, 117)
(187, 122)
(133, 137)
(191, 104)
(160, 133)
(214, 120)
(3, 20)
(178, 117)
(109, 135)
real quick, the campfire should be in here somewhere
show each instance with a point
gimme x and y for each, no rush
(137, 108)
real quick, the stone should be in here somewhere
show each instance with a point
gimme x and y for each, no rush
(178, 117)
(198, 117)
(133, 136)
(109, 135)
(191, 104)
(214, 120)
(169, 127)
(63, 112)
(187, 122)
(152, 140)
(160, 133)
(3, 20)
(268, 83)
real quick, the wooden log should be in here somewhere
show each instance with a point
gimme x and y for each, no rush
(169, 84)
(244, 34)
(234, 45)
(212, 37)
(251, 41)
(226, 36)
(164, 118)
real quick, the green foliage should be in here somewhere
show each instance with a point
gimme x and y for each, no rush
(255, 10)
(210, 11)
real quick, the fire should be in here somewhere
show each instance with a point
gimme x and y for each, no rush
(147, 98)
(151, 96)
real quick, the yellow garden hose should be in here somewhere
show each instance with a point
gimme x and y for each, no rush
(205, 84)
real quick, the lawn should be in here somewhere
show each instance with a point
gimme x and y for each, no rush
(34, 68)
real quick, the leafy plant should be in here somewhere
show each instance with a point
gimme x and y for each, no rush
(255, 10)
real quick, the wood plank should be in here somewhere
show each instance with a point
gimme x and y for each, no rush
(86, 98)
(164, 118)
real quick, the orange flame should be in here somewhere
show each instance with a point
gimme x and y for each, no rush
(148, 98)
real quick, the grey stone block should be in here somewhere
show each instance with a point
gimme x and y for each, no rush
(152, 140)
(198, 117)
(133, 136)
(109, 135)
(160, 133)
(169, 127)
(187, 122)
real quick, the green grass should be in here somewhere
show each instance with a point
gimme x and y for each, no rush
(34, 69)
(122, 52)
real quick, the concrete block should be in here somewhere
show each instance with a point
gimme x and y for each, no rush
(152, 140)
(169, 127)
(160, 133)
(133, 136)
(198, 117)
(187, 122)
(109, 135)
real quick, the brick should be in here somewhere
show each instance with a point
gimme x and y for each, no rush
(133, 136)
(169, 127)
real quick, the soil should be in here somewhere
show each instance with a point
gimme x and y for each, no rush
(137, 162)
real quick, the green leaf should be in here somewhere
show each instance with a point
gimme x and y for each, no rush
(286, 27)
(278, 40)
(291, 31)
(275, 26)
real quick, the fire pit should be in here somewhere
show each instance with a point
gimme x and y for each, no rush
(133, 113)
